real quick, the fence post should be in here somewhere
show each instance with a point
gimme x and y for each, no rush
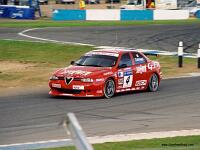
(72, 125)
(180, 54)
(198, 57)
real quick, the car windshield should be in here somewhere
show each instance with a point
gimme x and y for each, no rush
(96, 61)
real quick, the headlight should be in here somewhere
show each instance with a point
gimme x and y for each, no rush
(54, 77)
(87, 80)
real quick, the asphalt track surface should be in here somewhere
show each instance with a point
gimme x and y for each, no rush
(159, 37)
(35, 116)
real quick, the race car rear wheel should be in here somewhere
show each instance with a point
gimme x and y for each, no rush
(153, 83)
(109, 88)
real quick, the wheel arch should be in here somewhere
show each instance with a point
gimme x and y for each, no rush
(113, 78)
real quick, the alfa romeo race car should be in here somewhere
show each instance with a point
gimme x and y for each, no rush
(106, 72)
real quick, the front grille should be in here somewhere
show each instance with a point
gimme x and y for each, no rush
(68, 91)
(75, 79)
(60, 78)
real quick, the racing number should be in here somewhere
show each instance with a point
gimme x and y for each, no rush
(128, 80)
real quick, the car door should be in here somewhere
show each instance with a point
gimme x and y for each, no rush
(139, 71)
(125, 72)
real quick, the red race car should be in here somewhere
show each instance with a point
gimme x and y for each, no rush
(106, 72)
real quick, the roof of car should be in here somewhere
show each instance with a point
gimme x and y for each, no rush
(113, 50)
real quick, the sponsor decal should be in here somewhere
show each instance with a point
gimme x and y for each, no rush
(137, 88)
(99, 91)
(128, 89)
(141, 69)
(64, 94)
(133, 89)
(120, 74)
(120, 81)
(107, 73)
(18, 14)
(100, 80)
(117, 91)
(68, 80)
(141, 83)
(89, 95)
(153, 65)
(56, 85)
(128, 79)
(115, 75)
(120, 86)
(138, 60)
(125, 69)
(77, 72)
(122, 90)
(78, 87)
(128, 73)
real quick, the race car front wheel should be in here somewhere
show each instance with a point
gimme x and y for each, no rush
(153, 83)
(109, 88)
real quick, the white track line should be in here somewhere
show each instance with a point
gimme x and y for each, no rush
(96, 139)
(22, 33)
(101, 139)
(49, 40)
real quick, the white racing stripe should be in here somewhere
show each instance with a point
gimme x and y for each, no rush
(49, 40)
(101, 139)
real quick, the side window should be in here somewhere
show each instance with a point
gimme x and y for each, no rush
(126, 59)
(138, 58)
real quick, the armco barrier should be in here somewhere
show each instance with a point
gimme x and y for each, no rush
(103, 14)
(171, 14)
(61, 14)
(136, 15)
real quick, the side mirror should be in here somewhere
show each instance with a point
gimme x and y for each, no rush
(122, 66)
(72, 62)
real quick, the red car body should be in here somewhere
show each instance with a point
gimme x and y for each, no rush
(130, 70)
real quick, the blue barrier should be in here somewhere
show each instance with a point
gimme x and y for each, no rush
(197, 14)
(60, 14)
(16, 12)
(5, 11)
(22, 13)
(136, 15)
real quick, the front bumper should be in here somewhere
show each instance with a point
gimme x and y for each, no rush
(75, 89)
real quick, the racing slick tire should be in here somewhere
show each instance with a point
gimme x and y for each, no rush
(109, 88)
(153, 83)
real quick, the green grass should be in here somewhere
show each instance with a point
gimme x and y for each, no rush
(45, 58)
(36, 52)
(50, 23)
(61, 54)
(188, 143)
